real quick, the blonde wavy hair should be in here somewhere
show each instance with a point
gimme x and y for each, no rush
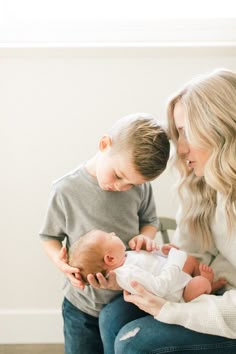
(209, 103)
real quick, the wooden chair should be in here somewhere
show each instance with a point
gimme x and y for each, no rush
(165, 225)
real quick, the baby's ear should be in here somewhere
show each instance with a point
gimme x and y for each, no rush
(105, 142)
(108, 260)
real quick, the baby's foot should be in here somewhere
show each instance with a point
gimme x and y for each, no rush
(206, 272)
(218, 284)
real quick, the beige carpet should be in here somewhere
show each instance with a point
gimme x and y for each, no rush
(31, 349)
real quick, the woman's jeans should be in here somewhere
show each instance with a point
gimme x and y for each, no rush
(148, 336)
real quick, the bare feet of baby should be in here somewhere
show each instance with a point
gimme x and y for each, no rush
(207, 272)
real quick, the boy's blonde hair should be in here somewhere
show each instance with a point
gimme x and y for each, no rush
(87, 255)
(147, 141)
(210, 112)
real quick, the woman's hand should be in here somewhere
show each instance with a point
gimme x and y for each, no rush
(100, 282)
(143, 242)
(72, 273)
(145, 300)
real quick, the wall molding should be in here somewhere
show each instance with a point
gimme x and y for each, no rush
(89, 33)
(31, 326)
(167, 51)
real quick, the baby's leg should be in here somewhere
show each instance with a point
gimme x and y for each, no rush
(191, 266)
(196, 286)
(201, 284)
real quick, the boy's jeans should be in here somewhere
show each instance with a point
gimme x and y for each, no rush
(81, 331)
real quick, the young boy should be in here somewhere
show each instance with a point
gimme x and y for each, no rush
(110, 191)
(169, 273)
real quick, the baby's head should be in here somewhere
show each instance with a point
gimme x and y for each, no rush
(134, 151)
(97, 252)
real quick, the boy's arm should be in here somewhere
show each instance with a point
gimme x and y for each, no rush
(58, 254)
(149, 231)
(52, 248)
(148, 222)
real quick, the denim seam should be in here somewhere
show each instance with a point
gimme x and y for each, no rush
(198, 347)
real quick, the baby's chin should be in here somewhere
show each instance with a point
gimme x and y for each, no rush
(122, 260)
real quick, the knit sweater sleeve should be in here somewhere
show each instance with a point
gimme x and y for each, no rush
(208, 314)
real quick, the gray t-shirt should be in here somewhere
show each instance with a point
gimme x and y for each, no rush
(77, 205)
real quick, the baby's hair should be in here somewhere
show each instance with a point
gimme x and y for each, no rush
(147, 141)
(87, 256)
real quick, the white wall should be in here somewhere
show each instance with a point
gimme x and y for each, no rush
(54, 106)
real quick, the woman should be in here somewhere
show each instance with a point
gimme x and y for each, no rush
(202, 127)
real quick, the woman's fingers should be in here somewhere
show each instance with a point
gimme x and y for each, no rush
(145, 300)
(139, 290)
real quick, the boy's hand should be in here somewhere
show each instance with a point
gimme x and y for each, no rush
(100, 282)
(71, 272)
(143, 242)
(167, 247)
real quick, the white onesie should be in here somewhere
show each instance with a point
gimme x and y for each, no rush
(161, 275)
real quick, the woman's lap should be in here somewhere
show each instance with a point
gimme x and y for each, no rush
(149, 336)
(113, 317)
(126, 329)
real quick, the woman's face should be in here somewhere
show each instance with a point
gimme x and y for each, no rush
(195, 158)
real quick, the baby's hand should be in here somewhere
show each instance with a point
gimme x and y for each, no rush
(167, 247)
(72, 273)
(143, 242)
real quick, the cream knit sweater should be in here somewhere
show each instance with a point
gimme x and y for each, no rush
(209, 313)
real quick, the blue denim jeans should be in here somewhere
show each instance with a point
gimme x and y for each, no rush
(113, 317)
(146, 335)
(81, 331)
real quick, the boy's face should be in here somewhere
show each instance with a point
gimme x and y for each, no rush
(115, 171)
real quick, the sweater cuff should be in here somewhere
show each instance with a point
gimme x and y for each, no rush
(168, 313)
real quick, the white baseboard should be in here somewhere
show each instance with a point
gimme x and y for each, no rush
(31, 326)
